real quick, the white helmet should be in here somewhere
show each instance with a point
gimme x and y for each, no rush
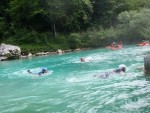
(122, 66)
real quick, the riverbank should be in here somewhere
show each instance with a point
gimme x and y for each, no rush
(28, 50)
(59, 51)
(7, 53)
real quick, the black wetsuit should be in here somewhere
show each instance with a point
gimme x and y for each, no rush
(117, 70)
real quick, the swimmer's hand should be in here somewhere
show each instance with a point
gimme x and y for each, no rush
(29, 71)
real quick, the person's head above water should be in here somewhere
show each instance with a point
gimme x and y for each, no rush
(122, 67)
(44, 70)
(82, 59)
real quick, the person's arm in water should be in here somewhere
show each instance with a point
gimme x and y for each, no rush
(39, 73)
(117, 70)
(32, 72)
(29, 71)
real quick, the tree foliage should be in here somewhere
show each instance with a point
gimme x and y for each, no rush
(22, 12)
(35, 21)
(135, 24)
(53, 11)
(106, 11)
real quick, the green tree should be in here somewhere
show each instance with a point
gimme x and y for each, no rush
(22, 12)
(106, 11)
(53, 10)
(144, 3)
(79, 17)
(135, 25)
(4, 19)
(3, 28)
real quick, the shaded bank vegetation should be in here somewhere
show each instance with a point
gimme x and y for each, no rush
(47, 25)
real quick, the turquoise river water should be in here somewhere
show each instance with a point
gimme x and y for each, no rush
(69, 86)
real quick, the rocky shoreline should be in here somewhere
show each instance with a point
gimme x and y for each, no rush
(10, 52)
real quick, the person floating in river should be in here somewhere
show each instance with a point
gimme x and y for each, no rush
(120, 70)
(82, 59)
(86, 59)
(43, 71)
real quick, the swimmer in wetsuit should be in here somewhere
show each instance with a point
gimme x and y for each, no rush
(43, 71)
(121, 69)
(82, 59)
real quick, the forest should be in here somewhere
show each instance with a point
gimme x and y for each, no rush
(48, 25)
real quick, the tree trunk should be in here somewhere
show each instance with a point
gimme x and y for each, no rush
(54, 28)
(13, 27)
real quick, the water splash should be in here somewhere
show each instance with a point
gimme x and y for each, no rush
(70, 86)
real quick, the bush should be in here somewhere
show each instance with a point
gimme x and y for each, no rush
(99, 38)
(135, 25)
(74, 41)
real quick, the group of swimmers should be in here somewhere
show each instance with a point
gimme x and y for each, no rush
(121, 69)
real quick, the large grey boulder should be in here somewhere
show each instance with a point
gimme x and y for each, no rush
(9, 51)
(59, 51)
